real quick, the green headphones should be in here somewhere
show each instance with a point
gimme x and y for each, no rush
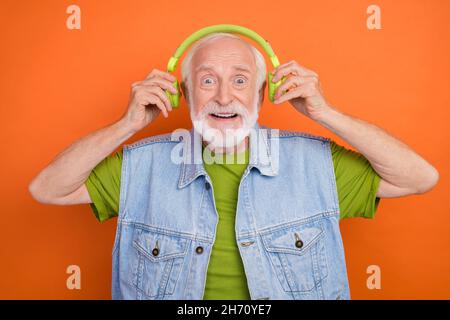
(174, 98)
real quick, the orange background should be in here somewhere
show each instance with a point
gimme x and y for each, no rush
(57, 85)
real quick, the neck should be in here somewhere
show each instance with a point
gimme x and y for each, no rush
(241, 147)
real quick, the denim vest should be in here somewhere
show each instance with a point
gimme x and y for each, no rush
(287, 219)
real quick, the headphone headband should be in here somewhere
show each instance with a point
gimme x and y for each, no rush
(229, 28)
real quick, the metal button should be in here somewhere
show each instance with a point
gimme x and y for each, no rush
(207, 185)
(199, 249)
(299, 243)
(155, 250)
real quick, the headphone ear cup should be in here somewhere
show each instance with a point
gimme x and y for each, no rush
(272, 87)
(174, 98)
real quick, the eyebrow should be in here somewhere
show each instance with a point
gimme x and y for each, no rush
(240, 67)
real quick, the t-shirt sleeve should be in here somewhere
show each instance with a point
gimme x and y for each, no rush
(103, 185)
(356, 181)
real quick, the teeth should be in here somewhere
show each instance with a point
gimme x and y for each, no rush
(224, 115)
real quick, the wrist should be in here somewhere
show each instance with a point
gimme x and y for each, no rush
(328, 116)
(124, 128)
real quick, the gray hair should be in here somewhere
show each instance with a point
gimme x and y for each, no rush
(187, 62)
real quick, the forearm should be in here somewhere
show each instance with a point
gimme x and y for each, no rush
(70, 168)
(392, 159)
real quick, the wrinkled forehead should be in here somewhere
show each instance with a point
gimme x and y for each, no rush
(224, 53)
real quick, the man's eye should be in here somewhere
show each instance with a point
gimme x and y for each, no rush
(241, 80)
(208, 80)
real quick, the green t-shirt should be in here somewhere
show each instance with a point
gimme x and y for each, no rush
(226, 278)
(356, 181)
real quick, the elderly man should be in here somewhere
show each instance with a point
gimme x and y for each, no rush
(223, 229)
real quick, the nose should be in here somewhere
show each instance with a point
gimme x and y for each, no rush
(224, 96)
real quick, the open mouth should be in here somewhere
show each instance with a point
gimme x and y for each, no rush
(224, 116)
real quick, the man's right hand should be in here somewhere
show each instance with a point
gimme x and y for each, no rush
(148, 99)
(63, 180)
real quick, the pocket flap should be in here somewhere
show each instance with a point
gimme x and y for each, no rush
(168, 246)
(284, 240)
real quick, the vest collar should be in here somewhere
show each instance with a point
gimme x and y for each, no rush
(264, 154)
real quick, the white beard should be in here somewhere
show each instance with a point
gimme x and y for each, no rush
(216, 138)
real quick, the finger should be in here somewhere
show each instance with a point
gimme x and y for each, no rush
(160, 105)
(150, 98)
(284, 70)
(301, 91)
(308, 72)
(163, 83)
(293, 81)
(291, 67)
(281, 66)
(162, 74)
(161, 94)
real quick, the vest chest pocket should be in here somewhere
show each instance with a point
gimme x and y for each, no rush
(158, 263)
(298, 256)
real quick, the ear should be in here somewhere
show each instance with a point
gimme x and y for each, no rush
(261, 93)
(184, 91)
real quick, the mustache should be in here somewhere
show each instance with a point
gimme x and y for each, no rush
(233, 107)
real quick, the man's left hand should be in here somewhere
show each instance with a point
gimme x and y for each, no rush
(303, 90)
